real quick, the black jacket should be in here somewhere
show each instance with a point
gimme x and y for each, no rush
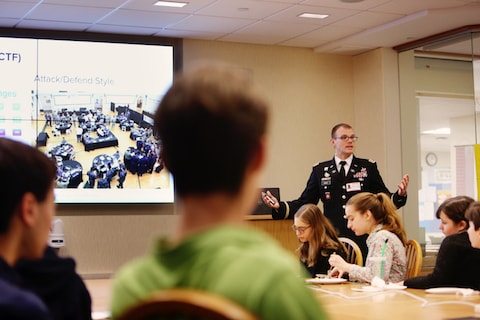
(456, 266)
(55, 281)
(322, 266)
(17, 303)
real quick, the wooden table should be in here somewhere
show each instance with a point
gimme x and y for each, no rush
(341, 302)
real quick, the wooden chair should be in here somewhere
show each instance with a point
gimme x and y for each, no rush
(414, 258)
(187, 303)
(354, 254)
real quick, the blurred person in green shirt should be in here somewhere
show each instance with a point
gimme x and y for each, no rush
(212, 124)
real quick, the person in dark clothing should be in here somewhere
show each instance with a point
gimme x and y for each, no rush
(142, 165)
(28, 206)
(122, 174)
(473, 217)
(457, 261)
(456, 266)
(92, 176)
(55, 281)
(334, 189)
(139, 144)
(111, 172)
(17, 303)
(48, 118)
(318, 239)
(133, 164)
(152, 159)
(103, 183)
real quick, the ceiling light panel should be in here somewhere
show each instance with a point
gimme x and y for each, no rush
(170, 4)
(313, 15)
(291, 14)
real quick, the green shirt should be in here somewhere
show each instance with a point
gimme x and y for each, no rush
(241, 264)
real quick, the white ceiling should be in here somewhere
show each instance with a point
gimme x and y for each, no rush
(350, 29)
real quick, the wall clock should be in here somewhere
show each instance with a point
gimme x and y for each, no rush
(431, 159)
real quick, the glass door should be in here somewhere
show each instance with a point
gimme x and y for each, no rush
(439, 90)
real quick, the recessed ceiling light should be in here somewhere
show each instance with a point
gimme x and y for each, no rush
(313, 15)
(170, 4)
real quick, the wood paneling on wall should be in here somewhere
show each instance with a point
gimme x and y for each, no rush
(281, 230)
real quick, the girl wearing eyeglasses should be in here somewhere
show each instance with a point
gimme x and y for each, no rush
(318, 239)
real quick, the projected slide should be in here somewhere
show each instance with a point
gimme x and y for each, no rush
(89, 106)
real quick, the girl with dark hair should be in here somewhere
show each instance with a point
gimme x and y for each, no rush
(457, 262)
(473, 217)
(452, 215)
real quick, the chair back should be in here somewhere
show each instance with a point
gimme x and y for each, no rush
(185, 303)
(354, 254)
(414, 258)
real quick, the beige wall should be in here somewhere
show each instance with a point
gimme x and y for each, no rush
(377, 118)
(377, 111)
(102, 237)
(309, 93)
